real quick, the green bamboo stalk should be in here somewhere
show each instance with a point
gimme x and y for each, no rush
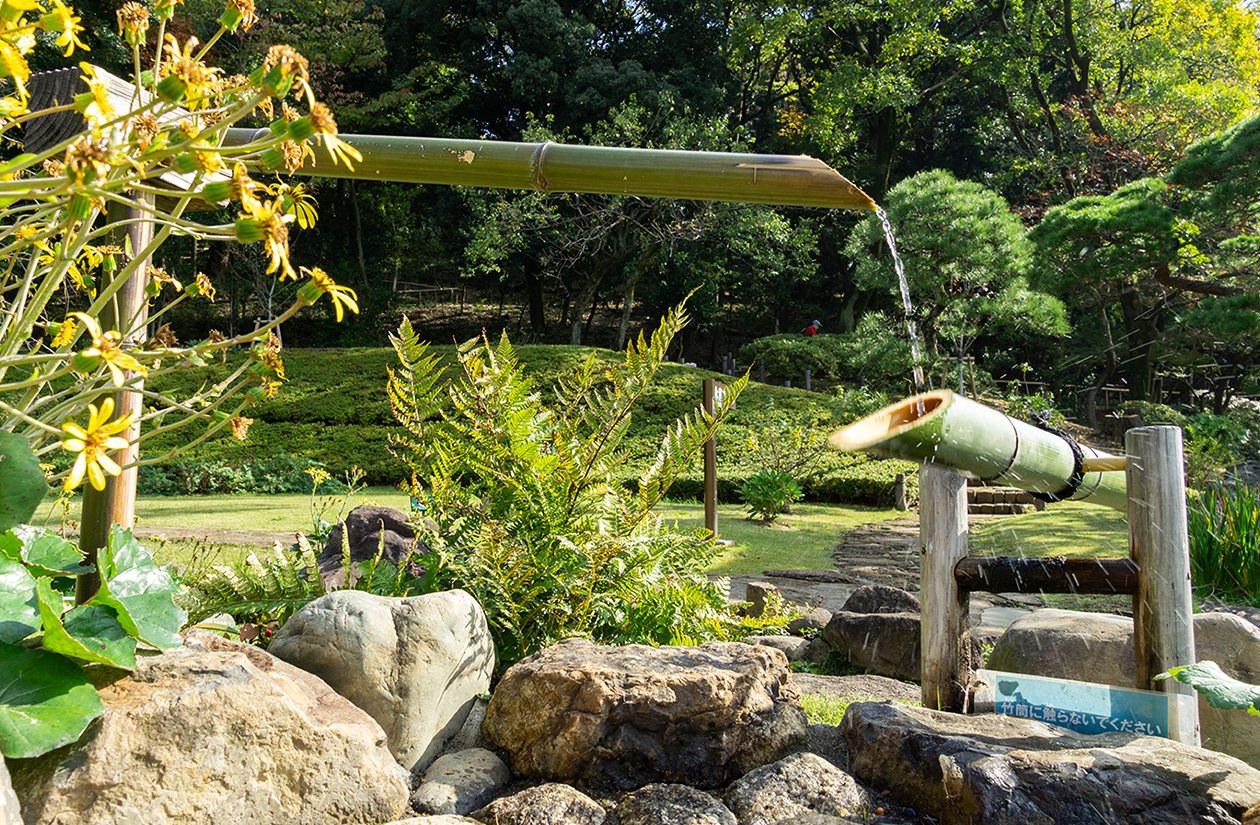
(781, 180)
(978, 441)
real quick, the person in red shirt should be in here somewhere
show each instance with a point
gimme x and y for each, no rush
(813, 328)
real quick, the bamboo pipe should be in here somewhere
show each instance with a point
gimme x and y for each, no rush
(781, 180)
(982, 443)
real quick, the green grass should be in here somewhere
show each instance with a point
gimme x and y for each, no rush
(1070, 528)
(802, 540)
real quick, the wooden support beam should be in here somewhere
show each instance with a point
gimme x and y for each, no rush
(1057, 574)
(945, 648)
(1159, 544)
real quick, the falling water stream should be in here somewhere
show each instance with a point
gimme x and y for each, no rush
(916, 350)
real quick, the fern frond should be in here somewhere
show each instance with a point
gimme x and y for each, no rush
(274, 586)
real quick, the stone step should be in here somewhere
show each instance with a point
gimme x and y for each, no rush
(999, 509)
(998, 495)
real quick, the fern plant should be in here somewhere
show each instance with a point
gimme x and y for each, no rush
(523, 504)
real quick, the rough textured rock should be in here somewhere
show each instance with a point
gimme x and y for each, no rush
(1094, 647)
(1000, 770)
(1251, 614)
(367, 526)
(10, 811)
(825, 819)
(800, 784)
(672, 805)
(416, 665)
(550, 804)
(436, 819)
(812, 622)
(1252, 816)
(880, 598)
(623, 717)
(793, 647)
(223, 734)
(470, 735)
(886, 644)
(756, 594)
(460, 783)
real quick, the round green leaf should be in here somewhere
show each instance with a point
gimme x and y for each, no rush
(141, 592)
(19, 603)
(22, 483)
(48, 554)
(91, 632)
(46, 701)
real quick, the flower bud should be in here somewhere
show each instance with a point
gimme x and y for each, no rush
(248, 230)
(185, 163)
(230, 19)
(302, 129)
(80, 207)
(273, 158)
(85, 363)
(171, 89)
(217, 192)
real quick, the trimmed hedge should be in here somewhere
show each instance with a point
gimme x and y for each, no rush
(332, 411)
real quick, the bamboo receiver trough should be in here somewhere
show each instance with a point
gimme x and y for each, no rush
(940, 427)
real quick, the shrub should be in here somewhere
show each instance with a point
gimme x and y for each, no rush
(212, 476)
(525, 509)
(853, 405)
(1037, 407)
(769, 493)
(790, 354)
(1224, 532)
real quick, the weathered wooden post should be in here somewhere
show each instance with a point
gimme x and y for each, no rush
(944, 647)
(1159, 544)
(900, 501)
(126, 313)
(710, 463)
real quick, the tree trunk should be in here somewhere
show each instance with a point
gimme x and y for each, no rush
(537, 309)
(358, 232)
(1142, 335)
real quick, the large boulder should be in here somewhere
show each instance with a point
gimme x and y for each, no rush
(549, 804)
(416, 665)
(623, 717)
(1001, 770)
(369, 530)
(672, 805)
(218, 733)
(10, 812)
(1094, 647)
(886, 644)
(460, 782)
(800, 784)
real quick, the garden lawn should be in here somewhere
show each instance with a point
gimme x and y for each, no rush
(1070, 528)
(801, 540)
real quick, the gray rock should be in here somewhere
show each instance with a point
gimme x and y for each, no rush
(799, 784)
(436, 819)
(620, 718)
(371, 530)
(1000, 770)
(756, 594)
(218, 733)
(812, 622)
(550, 804)
(672, 805)
(793, 647)
(825, 819)
(470, 735)
(460, 783)
(886, 644)
(10, 811)
(416, 665)
(1243, 611)
(1094, 647)
(817, 650)
(880, 598)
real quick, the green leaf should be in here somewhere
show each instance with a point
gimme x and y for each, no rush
(19, 604)
(22, 483)
(1221, 690)
(45, 553)
(91, 632)
(46, 701)
(141, 592)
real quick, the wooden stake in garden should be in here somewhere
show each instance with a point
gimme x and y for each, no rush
(710, 462)
(1159, 544)
(946, 667)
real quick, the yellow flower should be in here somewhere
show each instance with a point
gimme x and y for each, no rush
(92, 442)
(96, 106)
(326, 128)
(293, 71)
(199, 79)
(159, 278)
(269, 223)
(243, 188)
(269, 355)
(61, 18)
(322, 284)
(205, 288)
(105, 347)
(144, 128)
(87, 160)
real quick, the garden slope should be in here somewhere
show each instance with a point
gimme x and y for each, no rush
(333, 409)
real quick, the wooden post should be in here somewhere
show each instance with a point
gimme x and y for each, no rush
(1159, 544)
(945, 649)
(127, 314)
(710, 463)
(761, 370)
(808, 385)
(899, 492)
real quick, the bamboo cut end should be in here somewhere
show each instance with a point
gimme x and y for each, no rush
(891, 421)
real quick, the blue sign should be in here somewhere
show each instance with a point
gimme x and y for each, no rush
(1078, 706)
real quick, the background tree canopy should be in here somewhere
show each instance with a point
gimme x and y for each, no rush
(1116, 132)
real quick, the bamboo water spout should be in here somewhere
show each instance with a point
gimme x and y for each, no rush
(941, 427)
(781, 180)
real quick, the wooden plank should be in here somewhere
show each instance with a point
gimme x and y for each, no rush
(1159, 544)
(1047, 575)
(710, 462)
(946, 665)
